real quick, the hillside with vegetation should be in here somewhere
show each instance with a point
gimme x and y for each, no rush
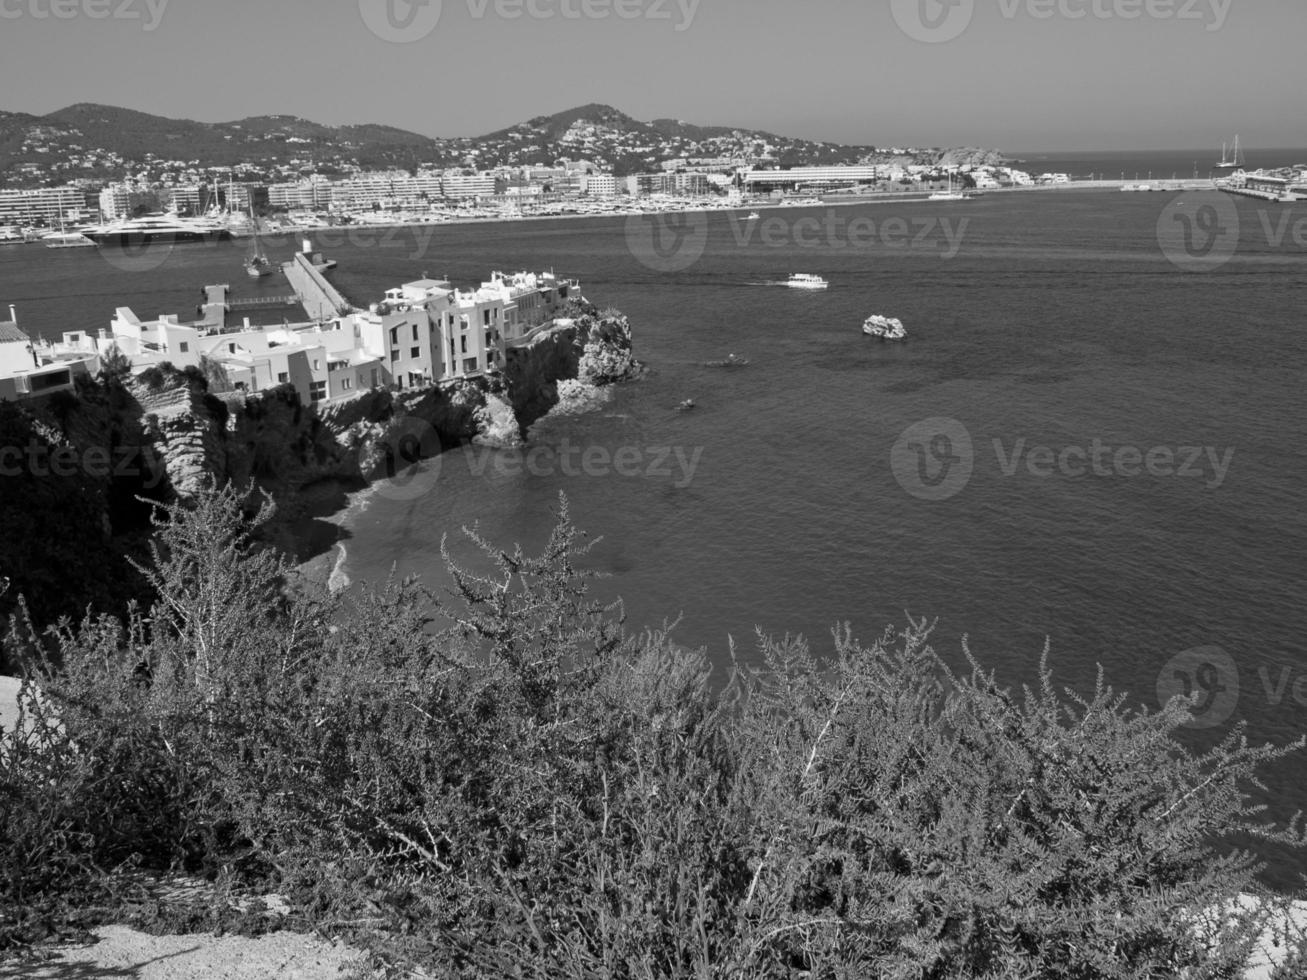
(506, 782)
(98, 142)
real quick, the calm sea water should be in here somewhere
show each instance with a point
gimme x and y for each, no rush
(1058, 322)
(1157, 164)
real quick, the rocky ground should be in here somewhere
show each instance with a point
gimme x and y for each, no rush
(123, 952)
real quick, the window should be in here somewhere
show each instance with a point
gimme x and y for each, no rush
(415, 331)
(394, 336)
(185, 347)
(394, 355)
(283, 377)
(316, 362)
(231, 348)
(374, 377)
(485, 318)
(318, 391)
(463, 341)
(345, 384)
(469, 365)
(415, 352)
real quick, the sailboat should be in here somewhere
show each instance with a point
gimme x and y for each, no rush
(1229, 161)
(949, 195)
(66, 239)
(257, 264)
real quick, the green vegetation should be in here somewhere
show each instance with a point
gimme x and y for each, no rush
(508, 784)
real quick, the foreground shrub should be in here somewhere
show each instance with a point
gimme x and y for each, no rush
(509, 784)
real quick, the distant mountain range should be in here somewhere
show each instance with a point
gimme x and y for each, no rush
(106, 142)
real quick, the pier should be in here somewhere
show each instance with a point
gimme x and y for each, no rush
(213, 311)
(260, 301)
(321, 300)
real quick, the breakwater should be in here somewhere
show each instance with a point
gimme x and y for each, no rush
(320, 299)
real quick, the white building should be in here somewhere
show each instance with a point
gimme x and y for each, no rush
(115, 201)
(599, 185)
(28, 370)
(422, 332)
(811, 177)
(313, 194)
(529, 300)
(46, 205)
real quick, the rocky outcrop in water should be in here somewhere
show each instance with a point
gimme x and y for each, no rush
(607, 355)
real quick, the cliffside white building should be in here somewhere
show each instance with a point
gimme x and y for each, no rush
(421, 332)
(27, 371)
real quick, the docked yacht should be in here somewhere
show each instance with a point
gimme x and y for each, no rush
(802, 280)
(153, 229)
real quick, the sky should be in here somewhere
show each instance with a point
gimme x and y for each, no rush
(1013, 75)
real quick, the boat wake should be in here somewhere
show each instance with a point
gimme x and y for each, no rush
(339, 578)
(730, 361)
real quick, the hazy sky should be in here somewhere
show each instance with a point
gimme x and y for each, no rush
(1018, 75)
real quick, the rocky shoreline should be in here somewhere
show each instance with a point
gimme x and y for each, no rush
(175, 436)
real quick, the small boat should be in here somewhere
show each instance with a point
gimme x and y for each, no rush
(802, 280)
(753, 216)
(729, 361)
(686, 405)
(884, 327)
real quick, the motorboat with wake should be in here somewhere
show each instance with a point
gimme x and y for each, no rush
(802, 280)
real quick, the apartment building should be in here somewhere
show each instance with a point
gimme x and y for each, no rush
(26, 371)
(45, 205)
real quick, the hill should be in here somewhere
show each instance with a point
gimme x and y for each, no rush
(90, 141)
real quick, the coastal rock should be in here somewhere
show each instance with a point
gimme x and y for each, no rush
(607, 355)
(969, 156)
(534, 368)
(497, 425)
(884, 327)
(187, 432)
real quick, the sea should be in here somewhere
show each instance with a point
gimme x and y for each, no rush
(1135, 165)
(1091, 442)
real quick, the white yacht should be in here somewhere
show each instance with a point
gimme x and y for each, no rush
(158, 228)
(802, 280)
